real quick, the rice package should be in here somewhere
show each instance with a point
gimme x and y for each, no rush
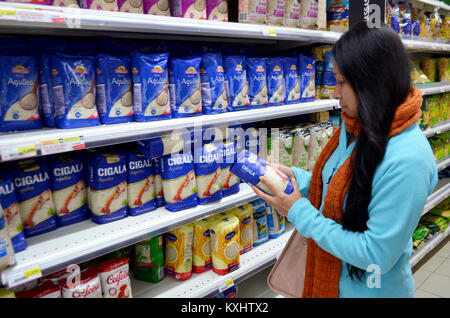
(245, 215)
(208, 174)
(178, 181)
(260, 228)
(8, 202)
(63, 3)
(108, 186)
(32, 183)
(191, 9)
(249, 168)
(275, 81)
(225, 244)
(275, 12)
(150, 86)
(133, 6)
(212, 74)
(307, 74)
(185, 86)
(179, 252)
(73, 81)
(285, 148)
(115, 278)
(6, 247)
(257, 82)
(314, 148)
(48, 289)
(217, 10)
(291, 80)
(114, 94)
(230, 182)
(328, 79)
(158, 183)
(252, 11)
(141, 184)
(236, 76)
(19, 93)
(68, 189)
(89, 285)
(338, 15)
(300, 149)
(309, 10)
(163, 145)
(157, 7)
(275, 222)
(149, 260)
(201, 247)
(104, 5)
(291, 13)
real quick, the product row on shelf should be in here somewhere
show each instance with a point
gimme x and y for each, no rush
(430, 70)
(434, 110)
(215, 243)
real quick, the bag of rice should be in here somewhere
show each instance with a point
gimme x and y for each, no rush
(314, 148)
(158, 183)
(250, 168)
(141, 184)
(245, 215)
(201, 247)
(236, 76)
(8, 202)
(275, 12)
(328, 80)
(32, 183)
(149, 260)
(163, 145)
(225, 244)
(291, 13)
(230, 182)
(114, 96)
(150, 86)
(291, 80)
(178, 181)
(104, 5)
(48, 289)
(191, 9)
(115, 278)
(108, 186)
(214, 95)
(6, 247)
(260, 230)
(73, 81)
(68, 189)
(157, 7)
(208, 174)
(19, 95)
(179, 252)
(133, 6)
(307, 74)
(275, 81)
(252, 11)
(308, 14)
(301, 147)
(275, 222)
(89, 285)
(217, 10)
(257, 83)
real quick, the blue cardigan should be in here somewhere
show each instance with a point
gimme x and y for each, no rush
(402, 182)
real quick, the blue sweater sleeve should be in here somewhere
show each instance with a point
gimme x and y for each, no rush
(399, 193)
(303, 179)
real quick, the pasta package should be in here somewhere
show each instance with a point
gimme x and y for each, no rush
(179, 252)
(245, 215)
(429, 67)
(225, 244)
(201, 247)
(230, 182)
(443, 65)
(307, 74)
(208, 173)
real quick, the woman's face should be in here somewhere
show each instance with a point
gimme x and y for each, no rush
(345, 94)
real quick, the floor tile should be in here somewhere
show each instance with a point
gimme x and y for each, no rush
(433, 263)
(444, 269)
(445, 250)
(420, 276)
(437, 284)
(423, 294)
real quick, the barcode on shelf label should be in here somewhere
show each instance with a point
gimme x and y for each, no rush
(18, 151)
(21, 277)
(225, 284)
(62, 145)
(7, 14)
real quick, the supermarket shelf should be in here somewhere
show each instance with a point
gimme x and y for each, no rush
(434, 3)
(438, 129)
(83, 241)
(106, 135)
(206, 284)
(428, 247)
(442, 164)
(438, 195)
(434, 88)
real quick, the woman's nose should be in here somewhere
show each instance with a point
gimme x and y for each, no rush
(336, 94)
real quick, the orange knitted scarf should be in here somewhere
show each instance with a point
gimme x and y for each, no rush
(323, 270)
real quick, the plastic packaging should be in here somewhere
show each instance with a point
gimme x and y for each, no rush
(201, 247)
(225, 244)
(338, 15)
(149, 260)
(217, 10)
(212, 74)
(275, 12)
(157, 7)
(6, 247)
(252, 11)
(236, 76)
(257, 84)
(192, 9)
(133, 6)
(179, 252)
(275, 81)
(104, 5)
(208, 174)
(291, 13)
(307, 74)
(291, 80)
(115, 278)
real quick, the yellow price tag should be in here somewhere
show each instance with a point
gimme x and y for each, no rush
(27, 149)
(270, 32)
(71, 139)
(32, 272)
(4, 12)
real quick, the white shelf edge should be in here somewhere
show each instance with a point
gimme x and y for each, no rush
(436, 197)
(440, 128)
(206, 284)
(442, 164)
(428, 247)
(434, 88)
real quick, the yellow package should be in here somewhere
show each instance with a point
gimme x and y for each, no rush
(245, 215)
(201, 247)
(417, 75)
(443, 108)
(444, 33)
(443, 65)
(435, 24)
(6, 293)
(179, 252)
(429, 67)
(225, 244)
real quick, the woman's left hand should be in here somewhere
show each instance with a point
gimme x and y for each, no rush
(280, 201)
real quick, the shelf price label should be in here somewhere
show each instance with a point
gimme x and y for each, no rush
(53, 146)
(21, 277)
(18, 151)
(6, 14)
(269, 32)
(225, 284)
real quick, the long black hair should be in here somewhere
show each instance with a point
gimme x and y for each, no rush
(376, 64)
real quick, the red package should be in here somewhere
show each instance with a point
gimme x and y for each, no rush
(114, 277)
(88, 287)
(56, 277)
(47, 289)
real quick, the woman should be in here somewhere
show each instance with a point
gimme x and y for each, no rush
(360, 206)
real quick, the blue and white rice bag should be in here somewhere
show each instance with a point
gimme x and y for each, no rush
(260, 226)
(164, 145)
(230, 182)
(32, 183)
(73, 81)
(8, 202)
(141, 184)
(150, 86)
(257, 82)
(212, 75)
(114, 94)
(249, 168)
(108, 199)
(328, 79)
(236, 77)
(208, 172)
(307, 74)
(291, 80)
(185, 86)
(19, 94)
(68, 189)
(275, 81)
(158, 182)
(178, 181)
(276, 223)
